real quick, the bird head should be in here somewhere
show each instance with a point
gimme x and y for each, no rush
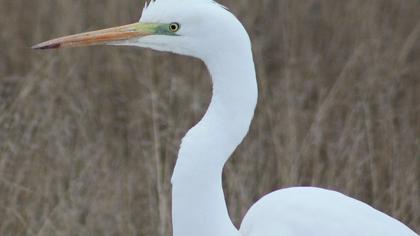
(198, 28)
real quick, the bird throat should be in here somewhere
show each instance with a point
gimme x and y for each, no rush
(198, 202)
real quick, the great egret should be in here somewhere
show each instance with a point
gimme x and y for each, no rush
(208, 31)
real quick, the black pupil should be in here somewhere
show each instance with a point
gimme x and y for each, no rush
(174, 27)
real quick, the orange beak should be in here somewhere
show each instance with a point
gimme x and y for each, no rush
(100, 37)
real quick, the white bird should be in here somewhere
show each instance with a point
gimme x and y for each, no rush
(208, 31)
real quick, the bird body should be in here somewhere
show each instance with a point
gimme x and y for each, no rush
(317, 212)
(208, 31)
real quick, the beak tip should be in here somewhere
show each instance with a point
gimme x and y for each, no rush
(43, 46)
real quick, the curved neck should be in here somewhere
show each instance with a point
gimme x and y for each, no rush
(198, 203)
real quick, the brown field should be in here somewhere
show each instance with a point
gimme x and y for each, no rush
(89, 137)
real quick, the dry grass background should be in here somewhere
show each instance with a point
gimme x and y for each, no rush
(89, 137)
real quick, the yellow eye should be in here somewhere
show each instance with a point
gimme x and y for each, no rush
(174, 27)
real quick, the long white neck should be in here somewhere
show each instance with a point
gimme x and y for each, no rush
(198, 203)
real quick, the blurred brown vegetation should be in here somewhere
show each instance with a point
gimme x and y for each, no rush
(89, 137)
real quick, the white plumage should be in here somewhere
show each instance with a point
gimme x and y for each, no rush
(205, 30)
(317, 212)
(199, 206)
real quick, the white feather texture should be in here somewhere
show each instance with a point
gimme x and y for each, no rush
(317, 212)
(211, 33)
(154, 8)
